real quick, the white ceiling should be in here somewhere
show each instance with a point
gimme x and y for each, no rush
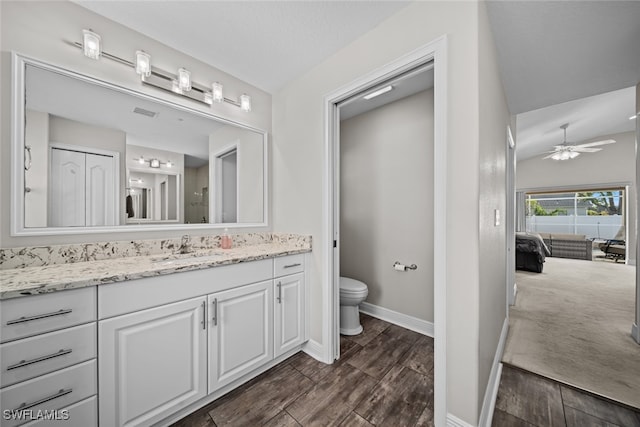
(550, 52)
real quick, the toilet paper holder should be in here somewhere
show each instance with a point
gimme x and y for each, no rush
(402, 267)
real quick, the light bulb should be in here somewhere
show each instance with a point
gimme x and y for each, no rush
(184, 79)
(216, 91)
(143, 63)
(91, 44)
(245, 102)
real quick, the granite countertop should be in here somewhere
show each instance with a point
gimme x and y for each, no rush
(19, 282)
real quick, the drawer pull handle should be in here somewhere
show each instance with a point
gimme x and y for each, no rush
(22, 363)
(39, 316)
(280, 292)
(215, 312)
(60, 393)
(293, 265)
(204, 315)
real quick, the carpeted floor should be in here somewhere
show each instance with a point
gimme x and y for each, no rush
(572, 323)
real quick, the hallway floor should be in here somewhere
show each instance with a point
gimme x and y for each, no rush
(527, 400)
(384, 377)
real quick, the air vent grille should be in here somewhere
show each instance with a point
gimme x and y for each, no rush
(144, 112)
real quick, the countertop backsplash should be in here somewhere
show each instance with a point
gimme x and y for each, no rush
(39, 256)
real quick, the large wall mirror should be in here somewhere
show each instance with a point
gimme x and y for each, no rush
(89, 156)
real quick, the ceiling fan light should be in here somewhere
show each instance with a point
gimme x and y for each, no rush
(573, 154)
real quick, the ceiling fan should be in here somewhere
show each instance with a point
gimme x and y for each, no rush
(566, 151)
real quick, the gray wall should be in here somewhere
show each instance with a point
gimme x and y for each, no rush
(386, 203)
(615, 164)
(39, 28)
(494, 119)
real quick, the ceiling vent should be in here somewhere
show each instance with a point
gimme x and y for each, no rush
(144, 112)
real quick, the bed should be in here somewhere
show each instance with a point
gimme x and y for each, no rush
(530, 252)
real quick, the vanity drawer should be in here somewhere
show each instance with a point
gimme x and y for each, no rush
(30, 357)
(32, 315)
(49, 392)
(81, 414)
(289, 264)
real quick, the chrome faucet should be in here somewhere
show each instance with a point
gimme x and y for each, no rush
(185, 245)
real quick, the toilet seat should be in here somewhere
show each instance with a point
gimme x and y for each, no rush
(349, 286)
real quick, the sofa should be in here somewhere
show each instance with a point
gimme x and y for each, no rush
(562, 245)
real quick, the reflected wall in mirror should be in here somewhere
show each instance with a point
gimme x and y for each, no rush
(96, 155)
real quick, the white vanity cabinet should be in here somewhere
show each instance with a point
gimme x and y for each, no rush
(289, 303)
(152, 362)
(48, 359)
(240, 333)
(168, 341)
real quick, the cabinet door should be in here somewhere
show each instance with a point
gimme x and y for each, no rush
(289, 312)
(152, 363)
(240, 332)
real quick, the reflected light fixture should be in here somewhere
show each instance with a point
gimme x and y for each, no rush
(143, 63)
(633, 117)
(91, 44)
(169, 164)
(216, 91)
(154, 163)
(245, 102)
(378, 92)
(141, 160)
(184, 79)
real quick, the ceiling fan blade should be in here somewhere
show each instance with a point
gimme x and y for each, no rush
(550, 155)
(581, 149)
(596, 143)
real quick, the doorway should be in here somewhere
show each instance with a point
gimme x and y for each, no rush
(386, 198)
(226, 164)
(434, 52)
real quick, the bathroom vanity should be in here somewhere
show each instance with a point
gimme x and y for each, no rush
(158, 338)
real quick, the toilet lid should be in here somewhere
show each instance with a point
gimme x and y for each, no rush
(351, 285)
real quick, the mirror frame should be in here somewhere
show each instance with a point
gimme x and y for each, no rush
(18, 86)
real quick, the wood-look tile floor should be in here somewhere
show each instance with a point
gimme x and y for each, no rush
(527, 400)
(384, 377)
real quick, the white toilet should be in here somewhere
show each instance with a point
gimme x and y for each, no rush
(352, 293)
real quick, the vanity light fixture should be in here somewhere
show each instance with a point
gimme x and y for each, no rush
(91, 44)
(180, 84)
(378, 92)
(143, 63)
(154, 162)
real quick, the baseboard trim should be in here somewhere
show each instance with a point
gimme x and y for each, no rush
(453, 421)
(409, 322)
(635, 332)
(315, 350)
(491, 392)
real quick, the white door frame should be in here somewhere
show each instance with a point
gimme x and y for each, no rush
(437, 51)
(511, 220)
